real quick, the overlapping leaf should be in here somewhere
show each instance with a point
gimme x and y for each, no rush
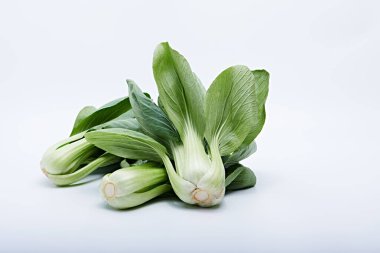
(231, 108)
(181, 93)
(88, 117)
(240, 154)
(126, 143)
(261, 80)
(152, 119)
(239, 177)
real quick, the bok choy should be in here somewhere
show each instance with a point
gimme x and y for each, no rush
(194, 128)
(191, 142)
(72, 159)
(134, 185)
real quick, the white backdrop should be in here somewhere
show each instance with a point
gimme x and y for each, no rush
(317, 162)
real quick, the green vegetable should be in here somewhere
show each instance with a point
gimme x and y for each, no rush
(132, 186)
(228, 117)
(72, 159)
(191, 142)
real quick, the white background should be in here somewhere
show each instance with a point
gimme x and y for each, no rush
(317, 162)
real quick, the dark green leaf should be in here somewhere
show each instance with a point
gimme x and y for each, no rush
(125, 121)
(239, 177)
(103, 114)
(152, 119)
(84, 113)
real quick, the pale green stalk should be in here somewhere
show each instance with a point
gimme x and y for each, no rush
(68, 155)
(135, 185)
(67, 179)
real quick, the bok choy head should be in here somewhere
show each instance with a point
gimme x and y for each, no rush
(196, 129)
(134, 185)
(73, 158)
(226, 116)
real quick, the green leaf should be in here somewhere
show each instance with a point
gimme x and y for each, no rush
(159, 102)
(84, 113)
(180, 92)
(105, 113)
(113, 103)
(239, 177)
(131, 124)
(231, 108)
(261, 80)
(152, 119)
(125, 121)
(126, 143)
(240, 154)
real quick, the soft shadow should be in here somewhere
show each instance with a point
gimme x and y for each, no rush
(177, 203)
(49, 184)
(105, 206)
(105, 170)
(171, 200)
(233, 192)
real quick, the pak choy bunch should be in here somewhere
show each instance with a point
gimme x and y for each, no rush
(198, 135)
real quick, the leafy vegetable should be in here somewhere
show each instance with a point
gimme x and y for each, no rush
(226, 116)
(132, 186)
(72, 159)
(192, 142)
(198, 179)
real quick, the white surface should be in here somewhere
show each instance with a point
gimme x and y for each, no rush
(317, 162)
